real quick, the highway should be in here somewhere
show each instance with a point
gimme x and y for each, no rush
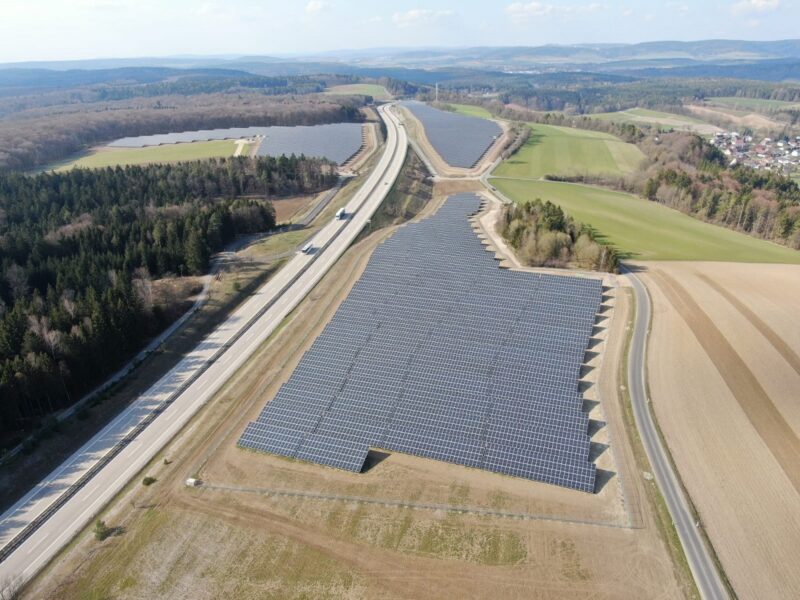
(34, 530)
(701, 563)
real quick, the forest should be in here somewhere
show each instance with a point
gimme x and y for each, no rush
(544, 236)
(588, 94)
(690, 175)
(79, 251)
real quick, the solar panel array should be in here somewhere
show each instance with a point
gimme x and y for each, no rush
(437, 352)
(460, 140)
(334, 141)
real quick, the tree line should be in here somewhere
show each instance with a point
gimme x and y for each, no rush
(763, 204)
(592, 93)
(544, 236)
(79, 250)
(683, 171)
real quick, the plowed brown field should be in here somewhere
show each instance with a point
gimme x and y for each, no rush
(724, 374)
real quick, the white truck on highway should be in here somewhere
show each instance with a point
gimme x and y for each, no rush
(341, 214)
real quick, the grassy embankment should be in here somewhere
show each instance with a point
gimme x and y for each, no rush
(640, 229)
(112, 157)
(378, 92)
(470, 110)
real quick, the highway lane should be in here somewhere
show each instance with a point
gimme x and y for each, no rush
(701, 563)
(202, 372)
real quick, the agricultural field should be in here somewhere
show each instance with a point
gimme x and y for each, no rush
(112, 157)
(261, 525)
(724, 370)
(753, 104)
(552, 150)
(645, 230)
(657, 119)
(378, 92)
(737, 119)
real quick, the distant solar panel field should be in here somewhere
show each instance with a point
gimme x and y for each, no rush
(335, 141)
(461, 140)
(439, 353)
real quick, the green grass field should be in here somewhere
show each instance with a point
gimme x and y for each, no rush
(111, 157)
(753, 104)
(566, 151)
(472, 111)
(378, 92)
(654, 118)
(645, 230)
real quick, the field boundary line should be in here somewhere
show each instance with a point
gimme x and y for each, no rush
(453, 508)
(768, 332)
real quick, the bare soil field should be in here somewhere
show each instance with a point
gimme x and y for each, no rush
(738, 118)
(724, 373)
(286, 208)
(268, 527)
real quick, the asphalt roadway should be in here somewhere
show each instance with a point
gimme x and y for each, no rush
(37, 527)
(701, 563)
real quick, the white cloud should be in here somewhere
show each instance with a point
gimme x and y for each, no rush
(521, 10)
(679, 7)
(419, 16)
(314, 7)
(754, 6)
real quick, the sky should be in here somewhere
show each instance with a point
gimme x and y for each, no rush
(79, 29)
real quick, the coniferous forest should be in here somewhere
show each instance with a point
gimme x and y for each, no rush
(78, 251)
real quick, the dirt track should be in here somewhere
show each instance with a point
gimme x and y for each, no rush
(722, 365)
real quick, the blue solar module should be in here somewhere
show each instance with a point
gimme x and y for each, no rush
(337, 142)
(461, 140)
(437, 352)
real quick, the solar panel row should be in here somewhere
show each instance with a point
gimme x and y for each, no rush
(439, 353)
(335, 141)
(461, 140)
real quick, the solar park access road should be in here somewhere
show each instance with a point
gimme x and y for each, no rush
(37, 527)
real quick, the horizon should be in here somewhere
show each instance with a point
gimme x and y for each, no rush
(127, 29)
(335, 55)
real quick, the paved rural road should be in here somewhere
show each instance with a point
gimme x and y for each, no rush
(700, 561)
(34, 530)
